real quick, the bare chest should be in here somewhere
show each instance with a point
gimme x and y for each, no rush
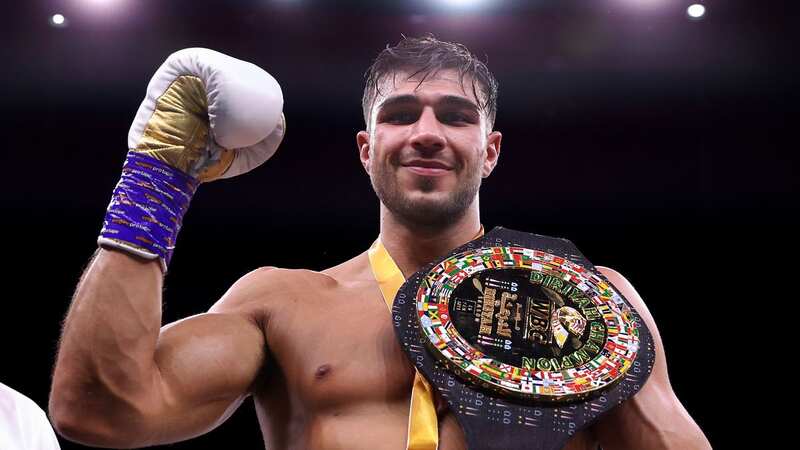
(336, 347)
(341, 371)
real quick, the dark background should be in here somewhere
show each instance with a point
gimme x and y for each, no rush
(660, 145)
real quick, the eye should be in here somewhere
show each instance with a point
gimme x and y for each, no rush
(456, 117)
(400, 117)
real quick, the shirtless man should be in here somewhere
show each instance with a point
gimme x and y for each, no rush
(295, 339)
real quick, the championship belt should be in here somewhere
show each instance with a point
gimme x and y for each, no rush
(523, 338)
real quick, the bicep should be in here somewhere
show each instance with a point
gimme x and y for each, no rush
(654, 417)
(207, 365)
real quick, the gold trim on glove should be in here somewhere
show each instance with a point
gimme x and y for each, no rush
(178, 131)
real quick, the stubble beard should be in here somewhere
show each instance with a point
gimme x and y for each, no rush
(430, 213)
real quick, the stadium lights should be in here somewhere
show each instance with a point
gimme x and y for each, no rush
(696, 11)
(459, 4)
(58, 20)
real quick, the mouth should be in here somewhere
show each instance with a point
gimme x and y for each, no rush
(427, 167)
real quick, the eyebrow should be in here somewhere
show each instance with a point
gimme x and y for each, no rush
(447, 100)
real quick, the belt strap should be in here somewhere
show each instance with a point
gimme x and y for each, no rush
(423, 425)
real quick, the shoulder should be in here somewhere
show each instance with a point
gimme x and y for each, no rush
(259, 290)
(620, 283)
(356, 268)
(624, 287)
(263, 286)
(282, 279)
(654, 417)
(659, 378)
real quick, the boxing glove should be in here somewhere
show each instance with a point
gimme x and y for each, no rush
(206, 116)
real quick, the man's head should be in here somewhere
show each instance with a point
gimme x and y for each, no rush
(422, 57)
(429, 108)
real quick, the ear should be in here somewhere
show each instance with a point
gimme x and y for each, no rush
(362, 140)
(492, 153)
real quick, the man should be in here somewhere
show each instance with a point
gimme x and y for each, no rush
(321, 377)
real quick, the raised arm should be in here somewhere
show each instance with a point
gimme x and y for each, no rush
(123, 381)
(120, 379)
(654, 418)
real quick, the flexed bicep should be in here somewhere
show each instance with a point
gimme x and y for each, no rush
(209, 363)
(206, 366)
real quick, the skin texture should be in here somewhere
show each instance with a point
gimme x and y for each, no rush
(296, 339)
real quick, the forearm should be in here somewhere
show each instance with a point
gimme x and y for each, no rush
(105, 361)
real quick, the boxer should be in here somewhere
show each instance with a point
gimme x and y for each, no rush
(322, 376)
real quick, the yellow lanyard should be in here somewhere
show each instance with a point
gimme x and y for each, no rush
(423, 425)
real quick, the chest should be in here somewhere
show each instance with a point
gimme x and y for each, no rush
(337, 347)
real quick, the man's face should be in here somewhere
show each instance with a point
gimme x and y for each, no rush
(428, 147)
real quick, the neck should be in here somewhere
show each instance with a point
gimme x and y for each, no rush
(413, 246)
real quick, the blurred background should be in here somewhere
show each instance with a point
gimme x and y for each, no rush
(654, 134)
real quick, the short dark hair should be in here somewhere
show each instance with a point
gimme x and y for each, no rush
(426, 56)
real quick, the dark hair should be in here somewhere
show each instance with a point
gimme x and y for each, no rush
(426, 56)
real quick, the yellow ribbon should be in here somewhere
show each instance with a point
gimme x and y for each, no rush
(423, 424)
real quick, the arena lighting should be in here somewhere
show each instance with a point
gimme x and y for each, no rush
(462, 3)
(696, 11)
(103, 9)
(58, 20)
(646, 6)
(100, 3)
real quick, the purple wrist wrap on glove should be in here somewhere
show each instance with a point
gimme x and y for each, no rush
(147, 206)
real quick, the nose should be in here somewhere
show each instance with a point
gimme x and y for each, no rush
(427, 135)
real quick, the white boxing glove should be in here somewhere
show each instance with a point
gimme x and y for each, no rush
(206, 116)
(209, 115)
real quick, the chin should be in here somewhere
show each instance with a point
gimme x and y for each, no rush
(429, 197)
(430, 209)
(426, 202)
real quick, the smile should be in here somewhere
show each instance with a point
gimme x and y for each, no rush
(430, 168)
(427, 171)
